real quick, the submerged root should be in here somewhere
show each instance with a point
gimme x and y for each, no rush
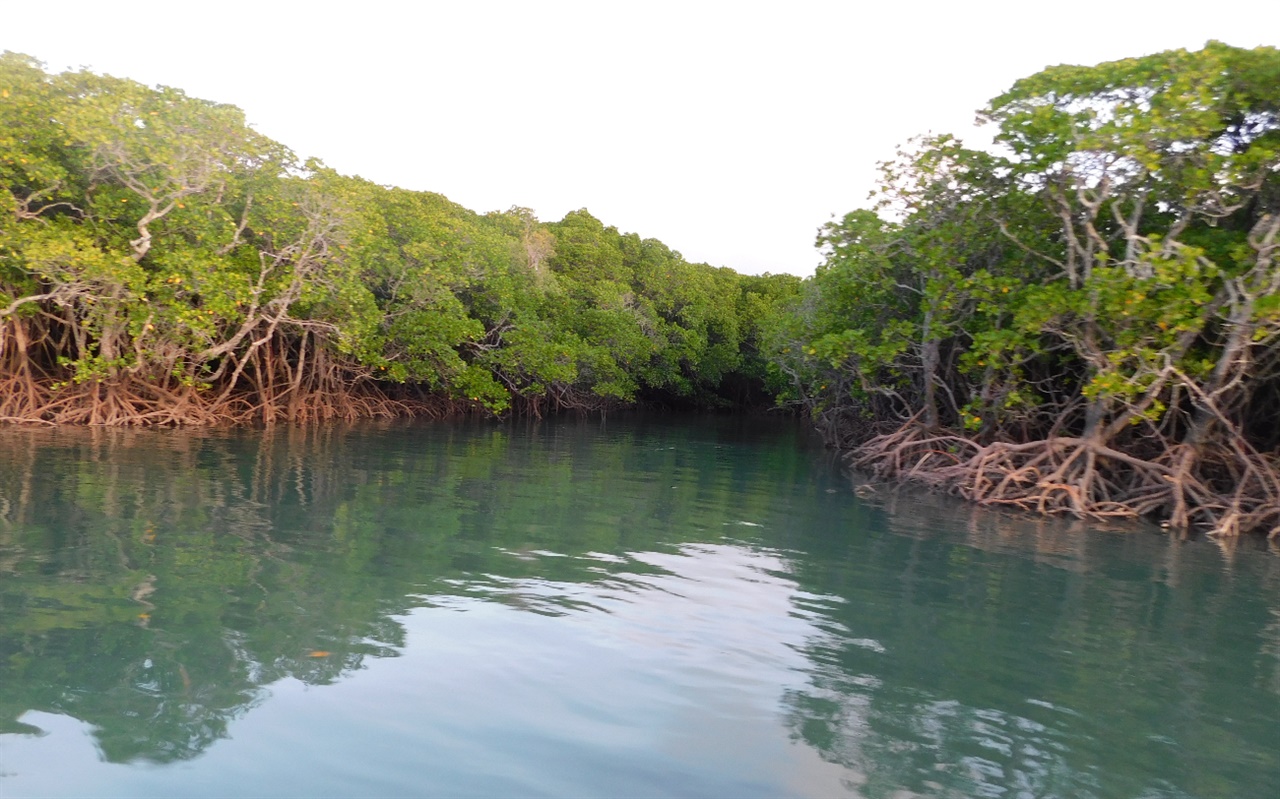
(1223, 490)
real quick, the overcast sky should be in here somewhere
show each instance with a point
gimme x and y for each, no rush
(730, 131)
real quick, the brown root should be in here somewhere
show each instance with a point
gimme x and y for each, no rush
(1223, 490)
(130, 402)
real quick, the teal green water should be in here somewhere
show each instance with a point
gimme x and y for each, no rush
(632, 608)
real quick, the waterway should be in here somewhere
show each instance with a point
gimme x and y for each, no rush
(706, 606)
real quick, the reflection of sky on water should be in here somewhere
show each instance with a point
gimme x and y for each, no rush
(661, 683)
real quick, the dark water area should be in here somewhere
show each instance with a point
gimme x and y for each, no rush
(638, 607)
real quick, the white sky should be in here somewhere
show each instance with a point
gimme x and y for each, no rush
(729, 130)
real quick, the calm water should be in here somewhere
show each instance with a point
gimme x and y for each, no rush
(637, 608)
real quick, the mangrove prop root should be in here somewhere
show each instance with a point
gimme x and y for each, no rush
(1225, 489)
(131, 402)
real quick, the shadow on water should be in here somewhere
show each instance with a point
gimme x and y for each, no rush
(153, 584)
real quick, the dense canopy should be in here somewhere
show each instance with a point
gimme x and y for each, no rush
(161, 262)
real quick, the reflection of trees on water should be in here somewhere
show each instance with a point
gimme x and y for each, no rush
(919, 677)
(153, 582)
(1271, 646)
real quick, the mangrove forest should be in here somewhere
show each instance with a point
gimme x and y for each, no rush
(1083, 318)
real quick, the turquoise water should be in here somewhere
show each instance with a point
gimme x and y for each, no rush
(632, 608)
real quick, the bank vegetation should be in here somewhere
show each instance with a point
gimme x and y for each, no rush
(1082, 320)
(163, 263)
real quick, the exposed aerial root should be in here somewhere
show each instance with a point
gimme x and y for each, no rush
(1224, 490)
(131, 403)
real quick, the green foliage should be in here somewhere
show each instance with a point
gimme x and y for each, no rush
(1116, 266)
(152, 237)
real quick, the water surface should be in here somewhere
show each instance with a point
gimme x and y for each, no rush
(632, 608)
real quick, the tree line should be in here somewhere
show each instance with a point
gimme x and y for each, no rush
(163, 263)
